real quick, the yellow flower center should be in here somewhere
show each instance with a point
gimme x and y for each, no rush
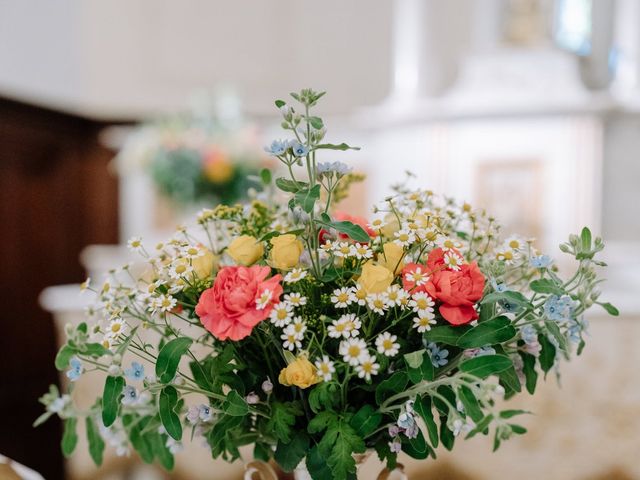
(378, 303)
(115, 328)
(344, 250)
(361, 294)
(421, 303)
(508, 255)
(515, 244)
(387, 344)
(192, 251)
(367, 367)
(297, 327)
(181, 268)
(282, 314)
(343, 297)
(354, 351)
(341, 327)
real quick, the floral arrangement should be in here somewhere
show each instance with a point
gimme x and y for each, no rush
(195, 158)
(315, 337)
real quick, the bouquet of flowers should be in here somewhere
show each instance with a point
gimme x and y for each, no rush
(316, 337)
(195, 158)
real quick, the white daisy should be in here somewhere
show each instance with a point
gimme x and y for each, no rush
(295, 299)
(418, 276)
(515, 243)
(353, 351)
(116, 328)
(290, 339)
(393, 295)
(376, 224)
(452, 260)
(263, 299)
(361, 251)
(342, 249)
(352, 324)
(341, 297)
(338, 328)
(359, 295)
(295, 275)
(377, 302)
(180, 269)
(404, 237)
(422, 304)
(386, 344)
(298, 326)
(508, 256)
(403, 298)
(135, 244)
(423, 324)
(367, 368)
(281, 314)
(107, 342)
(447, 244)
(164, 303)
(325, 368)
(191, 251)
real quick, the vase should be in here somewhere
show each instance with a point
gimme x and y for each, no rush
(258, 470)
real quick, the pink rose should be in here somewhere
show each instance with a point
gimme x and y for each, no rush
(240, 298)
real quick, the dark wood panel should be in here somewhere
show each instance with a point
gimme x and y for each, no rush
(56, 196)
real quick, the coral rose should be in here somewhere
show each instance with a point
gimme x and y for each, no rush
(375, 278)
(286, 251)
(245, 250)
(229, 309)
(301, 373)
(457, 291)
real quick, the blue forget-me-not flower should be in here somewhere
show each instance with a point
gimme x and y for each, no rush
(136, 372)
(76, 369)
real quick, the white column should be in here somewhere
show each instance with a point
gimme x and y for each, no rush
(626, 40)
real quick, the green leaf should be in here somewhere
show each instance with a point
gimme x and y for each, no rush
(280, 103)
(511, 297)
(366, 420)
(394, 384)
(585, 237)
(485, 365)
(424, 372)
(510, 381)
(283, 418)
(141, 443)
(355, 232)
(113, 387)
(517, 429)
(317, 465)
(530, 373)
(235, 405)
(547, 354)
(331, 146)
(42, 418)
(545, 285)
(290, 186)
(307, 198)
(414, 359)
(167, 402)
(446, 436)
(265, 176)
(423, 407)
(470, 402)
(445, 334)
(262, 451)
(95, 350)
(611, 310)
(513, 413)
(96, 443)
(323, 396)
(69, 437)
(342, 442)
(63, 356)
(496, 330)
(316, 122)
(169, 358)
(289, 455)
(557, 334)
(415, 447)
(481, 426)
(159, 445)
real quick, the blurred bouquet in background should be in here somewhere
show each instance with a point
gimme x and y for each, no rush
(206, 156)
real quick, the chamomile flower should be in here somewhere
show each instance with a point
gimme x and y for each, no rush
(116, 328)
(164, 303)
(298, 326)
(85, 285)
(423, 324)
(416, 276)
(281, 314)
(352, 324)
(342, 249)
(367, 368)
(263, 299)
(192, 252)
(354, 351)
(447, 244)
(515, 243)
(107, 342)
(404, 237)
(325, 368)
(337, 329)
(290, 339)
(180, 269)
(135, 245)
(377, 303)
(422, 304)
(508, 256)
(386, 344)
(342, 297)
(295, 299)
(393, 296)
(376, 224)
(295, 275)
(452, 260)
(359, 295)
(361, 251)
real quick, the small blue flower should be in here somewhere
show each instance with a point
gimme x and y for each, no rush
(136, 372)
(76, 369)
(529, 334)
(406, 420)
(499, 287)
(277, 147)
(541, 261)
(438, 355)
(559, 309)
(298, 149)
(130, 395)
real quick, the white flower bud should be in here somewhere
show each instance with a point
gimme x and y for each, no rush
(114, 370)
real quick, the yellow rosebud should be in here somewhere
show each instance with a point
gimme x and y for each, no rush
(204, 265)
(286, 251)
(375, 278)
(392, 258)
(301, 373)
(245, 250)
(391, 225)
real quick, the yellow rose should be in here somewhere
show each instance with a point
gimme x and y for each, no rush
(391, 225)
(204, 265)
(245, 250)
(286, 251)
(375, 278)
(392, 258)
(301, 373)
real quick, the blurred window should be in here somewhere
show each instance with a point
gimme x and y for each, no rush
(573, 20)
